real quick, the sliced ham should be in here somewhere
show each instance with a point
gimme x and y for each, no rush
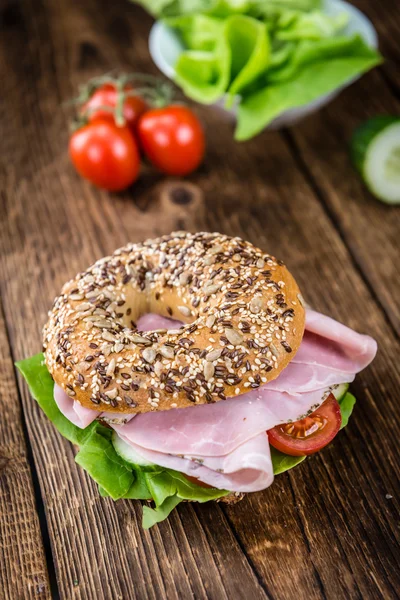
(330, 344)
(247, 468)
(217, 429)
(225, 444)
(77, 414)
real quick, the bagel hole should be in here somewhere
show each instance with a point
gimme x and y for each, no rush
(153, 321)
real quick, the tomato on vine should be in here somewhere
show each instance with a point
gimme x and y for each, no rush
(103, 103)
(105, 154)
(119, 115)
(172, 138)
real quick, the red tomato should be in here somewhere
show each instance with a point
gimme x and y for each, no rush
(106, 95)
(172, 138)
(105, 154)
(197, 482)
(309, 434)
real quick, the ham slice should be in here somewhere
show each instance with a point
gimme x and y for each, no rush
(225, 444)
(75, 412)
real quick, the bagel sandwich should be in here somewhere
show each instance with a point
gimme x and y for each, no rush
(188, 368)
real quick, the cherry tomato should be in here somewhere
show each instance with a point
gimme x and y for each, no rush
(106, 95)
(105, 154)
(198, 482)
(309, 434)
(172, 138)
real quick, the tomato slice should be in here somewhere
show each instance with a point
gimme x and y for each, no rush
(309, 434)
(197, 481)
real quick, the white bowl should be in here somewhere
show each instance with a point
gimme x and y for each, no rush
(165, 47)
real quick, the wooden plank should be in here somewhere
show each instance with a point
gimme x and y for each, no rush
(315, 533)
(369, 227)
(23, 570)
(99, 547)
(385, 17)
(340, 495)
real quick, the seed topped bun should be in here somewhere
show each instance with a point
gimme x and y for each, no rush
(242, 310)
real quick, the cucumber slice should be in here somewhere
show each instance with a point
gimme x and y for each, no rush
(340, 391)
(375, 150)
(128, 453)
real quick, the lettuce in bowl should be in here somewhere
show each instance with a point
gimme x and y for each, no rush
(277, 59)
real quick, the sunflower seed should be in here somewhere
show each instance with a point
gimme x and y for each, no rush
(138, 339)
(185, 311)
(213, 355)
(183, 278)
(274, 349)
(167, 352)
(149, 355)
(256, 305)
(84, 306)
(111, 368)
(260, 263)
(158, 367)
(210, 321)
(103, 324)
(111, 393)
(211, 288)
(208, 370)
(234, 336)
(108, 336)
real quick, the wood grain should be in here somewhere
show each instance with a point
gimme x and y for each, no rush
(321, 146)
(386, 20)
(326, 530)
(23, 570)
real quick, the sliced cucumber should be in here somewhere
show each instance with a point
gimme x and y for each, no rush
(340, 391)
(128, 453)
(375, 149)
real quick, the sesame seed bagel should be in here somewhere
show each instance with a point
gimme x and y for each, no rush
(242, 313)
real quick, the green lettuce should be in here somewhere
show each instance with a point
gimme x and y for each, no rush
(346, 408)
(315, 78)
(223, 56)
(120, 480)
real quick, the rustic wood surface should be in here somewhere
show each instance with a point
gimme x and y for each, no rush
(329, 528)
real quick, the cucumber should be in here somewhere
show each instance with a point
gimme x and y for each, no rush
(130, 455)
(340, 391)
(375, 150)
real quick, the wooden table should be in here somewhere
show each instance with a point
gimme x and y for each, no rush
(329, 528)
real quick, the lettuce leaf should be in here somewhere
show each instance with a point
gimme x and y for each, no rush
(151, 516)
(346, 408)
(165, 482)
(222, 55)
(198, 32)
(318, 76)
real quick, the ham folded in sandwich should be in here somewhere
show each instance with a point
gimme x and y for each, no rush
(225, 445)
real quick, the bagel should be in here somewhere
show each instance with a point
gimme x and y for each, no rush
(242, 313)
